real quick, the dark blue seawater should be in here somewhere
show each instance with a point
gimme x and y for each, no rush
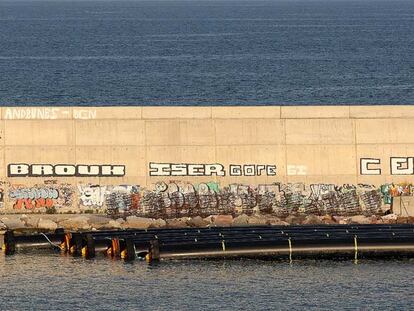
(52, 282)
(251, 52)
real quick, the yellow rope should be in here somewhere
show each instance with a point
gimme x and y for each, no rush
(290, 250)
(356, 248)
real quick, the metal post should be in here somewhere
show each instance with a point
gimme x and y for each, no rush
(9, 245)
(154, 251)
(90, 246)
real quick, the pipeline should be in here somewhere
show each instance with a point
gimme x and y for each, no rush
(290, 242)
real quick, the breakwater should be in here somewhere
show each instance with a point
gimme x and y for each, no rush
(186, 161)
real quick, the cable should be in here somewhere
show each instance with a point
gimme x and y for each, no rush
(50, 242)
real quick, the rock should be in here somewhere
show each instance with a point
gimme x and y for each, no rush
(177, 223)
(275, 221)
(134, 222)
(405, 220)
(32, 222)
(294, 220)
(219, 220)
(341, 220)
(13, 223)
(290, 219)
(223, 220)
(242, 220)
(375, 220)
(389, 219)
(47, 224)
(327, 219)
(197, 222)
(112, 224)
(360, 219)
(98, 221)
(258, 220)
(210, 219)
(2, 226)
(158, 223)
(312, 220)
(75, 223)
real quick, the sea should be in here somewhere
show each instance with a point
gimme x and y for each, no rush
(50, 281)
(203, 53)
(206, 52)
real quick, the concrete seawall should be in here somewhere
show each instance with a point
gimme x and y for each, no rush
(315, 151)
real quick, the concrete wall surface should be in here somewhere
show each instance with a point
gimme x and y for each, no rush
(163, 148)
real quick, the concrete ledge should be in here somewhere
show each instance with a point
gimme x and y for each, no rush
(261, 112)
(218, 112)
(119, 113)
(176, 112)
(318, 112)
(383, 111)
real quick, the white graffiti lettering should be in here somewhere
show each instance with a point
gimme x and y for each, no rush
(174, 169)
(402, 166)
(35, 113)
(367, 166)
(64, 170)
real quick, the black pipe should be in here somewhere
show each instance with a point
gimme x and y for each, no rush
(223, 241)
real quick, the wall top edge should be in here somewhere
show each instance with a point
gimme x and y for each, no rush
(205, 106)
(205, 112)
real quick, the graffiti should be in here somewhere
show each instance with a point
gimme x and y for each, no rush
(41, 196)
(112, 198)
(176, 199)
(369, 166)
(122, 198)
(191, 169)
(171, 169)
(36, 113)
(3, 186)
(252, 170)
(92, 195)
(390, 191)
(1, 198)
(319, 190)
(45, 113)
(84, 114)
(398, 166)
(181, 199)
(64, 170)
(297, 170)
(402, 166)
(34, 193)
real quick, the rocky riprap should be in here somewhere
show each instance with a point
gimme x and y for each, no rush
(37, 222)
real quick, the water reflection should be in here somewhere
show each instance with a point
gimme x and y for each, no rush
(54, 281)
